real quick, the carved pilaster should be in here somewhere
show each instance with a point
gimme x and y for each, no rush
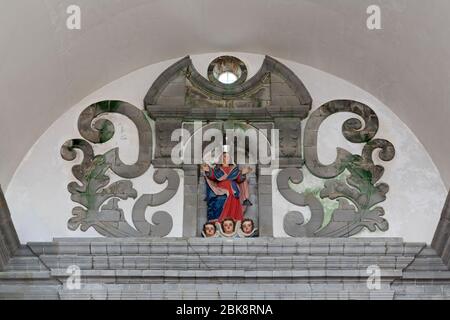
(164, 146)
(190, 207)
(290, 142)
(265, 222)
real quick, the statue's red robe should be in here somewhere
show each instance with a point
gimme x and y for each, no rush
(225, 193)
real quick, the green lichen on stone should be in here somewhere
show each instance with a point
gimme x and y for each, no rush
(360, 178)
(259, 103)
(106, 131)
(109, 106)
(147, 117)
(239, 125)
(328, 205)
(94, 179)
(76, 143)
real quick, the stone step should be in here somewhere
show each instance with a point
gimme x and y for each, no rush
(211, 262)
(427, 260)
(225, 273)
(417, 290)
(223, 291)
(191, 291)
(434, 275)
(30, 292)
(25, 264)
(25, 275)
(197, 292)
(26, 278)
(266, 268)
(251, 246)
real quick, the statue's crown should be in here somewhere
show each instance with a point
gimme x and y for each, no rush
(226, 148)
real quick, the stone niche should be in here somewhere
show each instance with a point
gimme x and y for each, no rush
(274, 98)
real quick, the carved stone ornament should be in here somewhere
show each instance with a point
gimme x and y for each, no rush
(357, 194)
(237, 233)
(273, 99)
(100, 199)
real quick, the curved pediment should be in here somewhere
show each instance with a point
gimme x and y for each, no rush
(183, 92)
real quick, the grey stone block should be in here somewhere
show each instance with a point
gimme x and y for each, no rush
(116, 262)
(100, 262)
(98, 249)
(320, 249)
(113, 249)
(129, 249)
(281, 274)
(159, 248)
(354, 249)
(413, 248)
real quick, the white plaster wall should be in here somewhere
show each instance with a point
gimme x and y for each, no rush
(41, 205)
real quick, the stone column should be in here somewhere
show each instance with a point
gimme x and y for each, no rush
(9, 241)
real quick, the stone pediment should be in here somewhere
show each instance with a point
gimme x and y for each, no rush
(274, 91)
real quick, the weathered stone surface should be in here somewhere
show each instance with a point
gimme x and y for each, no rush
(273, 93)
(356, 194)
(9, 241)
(441, 240)
(258, 268)
(101, 130)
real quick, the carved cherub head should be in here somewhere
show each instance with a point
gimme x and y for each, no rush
(228, 226)
(247, 226)
(209, 229)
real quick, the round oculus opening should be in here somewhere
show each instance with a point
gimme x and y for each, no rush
(227, 77)
(227, 70)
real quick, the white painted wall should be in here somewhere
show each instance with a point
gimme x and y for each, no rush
(41, 205)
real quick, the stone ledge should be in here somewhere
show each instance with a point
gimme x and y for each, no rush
(24, 275)
(225, 273)
(212, 262)
(255, 246)
(322, 268)
(427, 275)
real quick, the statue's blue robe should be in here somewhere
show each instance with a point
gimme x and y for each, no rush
(215, 202)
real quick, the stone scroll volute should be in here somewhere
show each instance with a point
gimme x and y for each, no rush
(358, 193)
(100, 199)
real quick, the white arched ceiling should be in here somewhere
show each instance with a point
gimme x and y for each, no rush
(46, 68)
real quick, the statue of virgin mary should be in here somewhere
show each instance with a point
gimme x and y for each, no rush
(227, 192)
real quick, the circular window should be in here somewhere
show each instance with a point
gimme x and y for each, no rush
(227, 77)
(227, 70)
